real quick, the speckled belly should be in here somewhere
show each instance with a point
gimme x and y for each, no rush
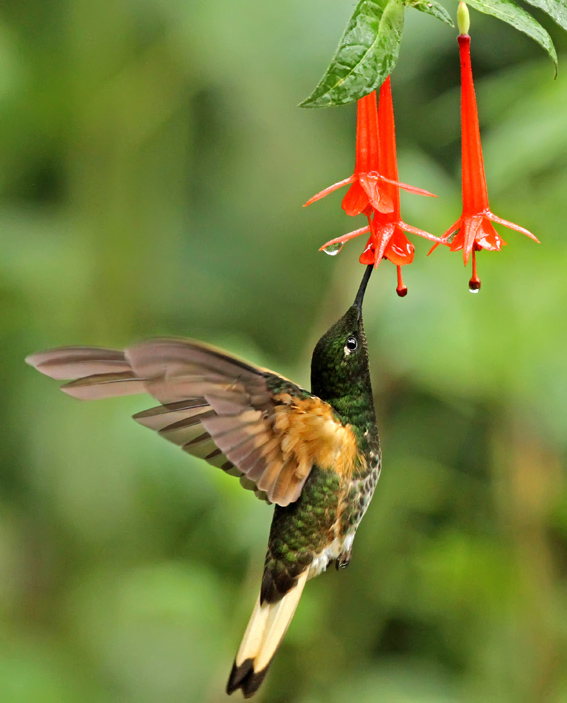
(357, 495)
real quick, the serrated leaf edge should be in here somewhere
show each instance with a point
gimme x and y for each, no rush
(314, 98)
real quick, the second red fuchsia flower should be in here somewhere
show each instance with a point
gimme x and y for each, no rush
(375, 188)
(474, 229)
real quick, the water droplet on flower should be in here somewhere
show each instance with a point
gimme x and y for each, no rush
(333, 249)
(474, 285)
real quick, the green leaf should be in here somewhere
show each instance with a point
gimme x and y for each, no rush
(556, 9)
(512, 14)
(432, 7)
(366, 56)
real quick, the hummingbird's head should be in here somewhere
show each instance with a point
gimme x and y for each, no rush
(339, 367)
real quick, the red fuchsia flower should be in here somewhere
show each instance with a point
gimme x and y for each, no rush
(387, 239)
(368, 191)
(474, 228)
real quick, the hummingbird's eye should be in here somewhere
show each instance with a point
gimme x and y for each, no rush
(351, 344)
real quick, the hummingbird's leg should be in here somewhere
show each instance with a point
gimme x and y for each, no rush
(344, 559)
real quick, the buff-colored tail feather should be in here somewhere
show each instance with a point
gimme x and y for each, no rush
(265, 631)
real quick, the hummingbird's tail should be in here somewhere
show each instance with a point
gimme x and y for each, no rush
(263, 635)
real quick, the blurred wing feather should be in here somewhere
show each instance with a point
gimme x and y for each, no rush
(247, 421)
(78, 362)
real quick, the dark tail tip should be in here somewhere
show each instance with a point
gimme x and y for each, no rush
(245, 678)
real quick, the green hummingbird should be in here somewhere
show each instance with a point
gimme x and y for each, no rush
(315, 455)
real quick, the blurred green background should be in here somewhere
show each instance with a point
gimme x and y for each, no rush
(153, 164)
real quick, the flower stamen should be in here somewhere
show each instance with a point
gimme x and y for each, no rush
(474, 283)
(401, 290)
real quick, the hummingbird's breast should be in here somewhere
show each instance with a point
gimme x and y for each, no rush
(320, 526)
(357, 494)
(354, 498)
(363, 480)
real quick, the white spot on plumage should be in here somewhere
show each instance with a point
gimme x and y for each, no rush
(330, 554)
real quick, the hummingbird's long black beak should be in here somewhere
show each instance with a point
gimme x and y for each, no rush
(360, 295)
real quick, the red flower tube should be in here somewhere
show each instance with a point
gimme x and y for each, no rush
(387, 239)
(474, 228)
(368, 183)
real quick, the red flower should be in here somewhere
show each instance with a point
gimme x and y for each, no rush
(474, 227)
(399, 250)
(368, 189)
(387, 240)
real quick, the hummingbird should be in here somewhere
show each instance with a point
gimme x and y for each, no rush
(314, 455)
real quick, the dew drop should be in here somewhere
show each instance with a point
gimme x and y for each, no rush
(402, 291)
(333, 249)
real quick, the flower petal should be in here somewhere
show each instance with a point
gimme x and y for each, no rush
(346, 237)
(488, 238)
(470, 228)
(368, 256)
(377, 196)
(511, 225)
(399, 184)
(419, 232)
(381, 236)
(400, 250)
(356, 200)
(457, 242)
(328, 190)
(446, 234)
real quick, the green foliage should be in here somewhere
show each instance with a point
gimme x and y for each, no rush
(366, 55)
(509, 12)
(556, 9)
(369, 49)
(433, 8)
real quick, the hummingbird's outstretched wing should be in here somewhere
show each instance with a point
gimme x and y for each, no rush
(248, 421)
